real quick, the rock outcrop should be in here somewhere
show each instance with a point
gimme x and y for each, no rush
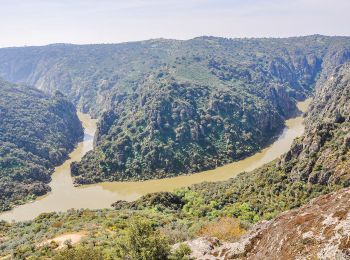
(318, 230)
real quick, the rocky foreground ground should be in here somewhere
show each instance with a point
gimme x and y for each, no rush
(318, 230)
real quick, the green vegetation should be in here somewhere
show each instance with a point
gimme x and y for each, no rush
(110, 234)
(36, 133)
(142, 242)
(79, 253)
(170, 217)
(170, 107)
(317, 163)
(322, 155)
(222, 101)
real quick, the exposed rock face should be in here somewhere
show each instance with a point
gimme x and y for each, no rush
(318, 230)
(322, 154)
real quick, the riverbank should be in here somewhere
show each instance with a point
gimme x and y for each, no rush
(65, 196)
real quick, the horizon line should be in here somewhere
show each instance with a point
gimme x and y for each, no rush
(171, 39)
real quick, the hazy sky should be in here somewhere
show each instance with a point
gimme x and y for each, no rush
(38, 22)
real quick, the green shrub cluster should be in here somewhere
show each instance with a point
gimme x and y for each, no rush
(36, 133)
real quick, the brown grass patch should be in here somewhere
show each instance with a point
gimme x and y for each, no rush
(225, 229)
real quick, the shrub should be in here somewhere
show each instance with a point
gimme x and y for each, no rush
(143, 242)
(79, 253)
(183, 252)
(226, 229)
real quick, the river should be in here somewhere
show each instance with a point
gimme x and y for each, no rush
(64, 195)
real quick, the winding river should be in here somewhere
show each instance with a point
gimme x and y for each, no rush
(65, 196)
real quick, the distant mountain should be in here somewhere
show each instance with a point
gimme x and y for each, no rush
(170, 107)
(36, 133)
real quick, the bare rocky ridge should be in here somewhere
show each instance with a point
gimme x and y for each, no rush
(318, 230)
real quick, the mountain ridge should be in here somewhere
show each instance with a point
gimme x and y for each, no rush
(146, 92)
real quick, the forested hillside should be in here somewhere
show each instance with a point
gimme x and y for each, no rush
(170, 107)
(317, 163)
(225, 103)
(36, 133)
(226, 210)
(322, 154)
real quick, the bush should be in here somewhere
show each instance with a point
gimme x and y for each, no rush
(79, 253)
(142, 242)
(183, 252)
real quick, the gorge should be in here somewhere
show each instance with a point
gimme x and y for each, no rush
(65, 196)
(186, 137)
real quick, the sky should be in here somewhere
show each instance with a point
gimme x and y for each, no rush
(40, 22)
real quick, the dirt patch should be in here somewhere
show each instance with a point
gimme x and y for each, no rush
(74, 238)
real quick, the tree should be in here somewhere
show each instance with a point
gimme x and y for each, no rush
(143, 242)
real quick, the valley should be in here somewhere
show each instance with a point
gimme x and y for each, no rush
(64, 195)
(186, 142)
(168, 107)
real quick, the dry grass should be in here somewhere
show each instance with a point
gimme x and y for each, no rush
(225, 229)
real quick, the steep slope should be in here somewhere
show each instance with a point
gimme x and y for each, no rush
(317, 163)
(318, 230)
(171, 107)
(226, 108)
(36, 133)
(179, 128)
(322, 155)
(91, 75)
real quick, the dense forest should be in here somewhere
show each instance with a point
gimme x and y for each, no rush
(224, 209)
(169, 107)
(37, 132)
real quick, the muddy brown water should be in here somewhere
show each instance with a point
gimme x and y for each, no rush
(65, 196)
